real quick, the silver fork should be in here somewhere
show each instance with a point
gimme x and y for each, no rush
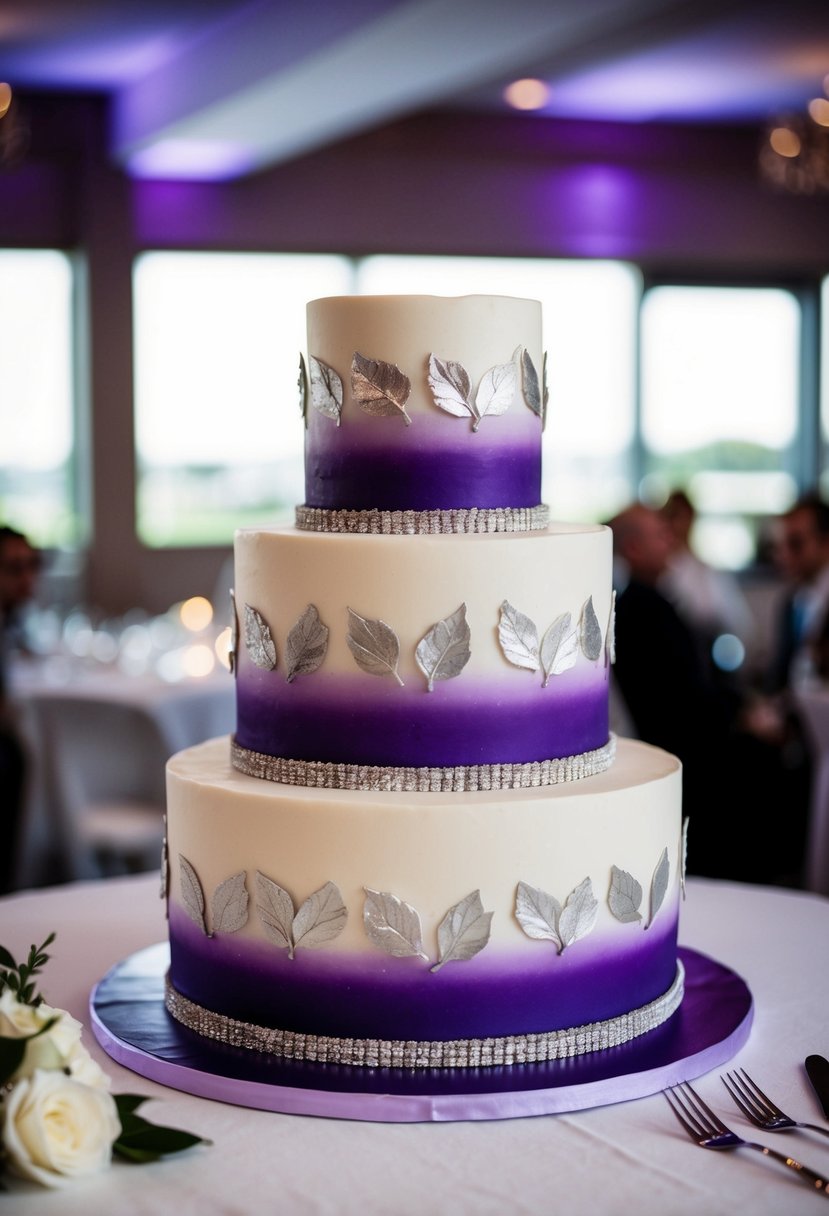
(759, 1108)
(707, 1130)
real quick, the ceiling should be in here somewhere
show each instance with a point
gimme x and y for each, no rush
(216, 88)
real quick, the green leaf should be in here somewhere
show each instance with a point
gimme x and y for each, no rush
(12, 1052)
(6, 959)
(127, 1103)
(141, 1141)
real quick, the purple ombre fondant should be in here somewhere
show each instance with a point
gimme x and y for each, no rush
(373, 995)
(362, 719)
(427, 466)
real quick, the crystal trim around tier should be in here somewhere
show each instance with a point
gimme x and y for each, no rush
(466, 778)
(410, 1053)
(424, 523)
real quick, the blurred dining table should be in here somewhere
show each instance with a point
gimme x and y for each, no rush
(45, 692)
(608, 1160)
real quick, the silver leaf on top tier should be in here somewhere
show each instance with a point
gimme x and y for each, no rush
(683, 855)
(545, 392)
(495, 392)
(374, 644)
(326, 390)
(234, 634)
(529, 382)
(380, 388)
(258, 641)
(452, 389)
(610, 635)
(463, 932)
(444, 651)
(559, 647)
(306, 645)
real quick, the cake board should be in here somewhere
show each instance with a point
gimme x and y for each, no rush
(130, 1021)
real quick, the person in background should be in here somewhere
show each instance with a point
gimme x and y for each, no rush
(800, 649)
(734, 784)
(710, 600)
(19, 568)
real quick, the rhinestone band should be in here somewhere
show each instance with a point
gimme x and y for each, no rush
(424, 523)
(409, 1053)
(320, 774)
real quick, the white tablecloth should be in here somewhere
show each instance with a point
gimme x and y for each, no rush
(182, 713)
(610, 1161)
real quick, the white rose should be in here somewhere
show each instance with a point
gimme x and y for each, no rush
(53, 1048)
(83, 1068)
(56, 1129)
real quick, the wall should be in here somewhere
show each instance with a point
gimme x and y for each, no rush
(671, 198)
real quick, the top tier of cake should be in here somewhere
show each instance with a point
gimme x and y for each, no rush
(424, 404)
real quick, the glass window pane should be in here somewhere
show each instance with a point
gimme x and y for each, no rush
(589, 318)
(720, 387)
(36, 395)
(219, 440)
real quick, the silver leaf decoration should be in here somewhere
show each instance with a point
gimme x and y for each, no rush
(302, 385)
(164, 869)
(625, 896)
(375, 646)
(230, 905)
(683, 855)
(610, 635)
(518, 637)
(495, 392)
(543, 918)
(537, 913)
(531, 387)
(305, 645)
(326, 390)
(191, 893)
(234, 633)
(451, 389)
(545, 392)
(659, 884)
(444, 651)
(320, 918)
(393, 925)
(578, 916)
(463, 932)
(260, 645)
(559, 647)
(380, 388)
(590, 631)
(276, 911)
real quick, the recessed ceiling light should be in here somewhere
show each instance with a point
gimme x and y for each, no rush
(5, 98)
(784, 142)
(527, 94)
(819, 111)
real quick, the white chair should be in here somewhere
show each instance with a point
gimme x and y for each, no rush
(103, 781)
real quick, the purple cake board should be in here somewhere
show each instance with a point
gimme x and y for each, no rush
(132, 1025)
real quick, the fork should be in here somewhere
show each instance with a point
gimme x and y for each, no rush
(759, 1108)
(707, 1130)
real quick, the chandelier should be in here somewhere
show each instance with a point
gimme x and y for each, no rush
(795, 152)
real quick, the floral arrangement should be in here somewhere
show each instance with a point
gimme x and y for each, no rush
(58, 1120)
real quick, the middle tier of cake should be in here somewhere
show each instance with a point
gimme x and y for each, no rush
(441, 662)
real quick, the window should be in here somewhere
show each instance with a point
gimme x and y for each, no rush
(219, 438)
(37, 484)
(589, 315)
(720, 396)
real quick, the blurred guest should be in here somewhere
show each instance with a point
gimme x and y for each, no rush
(800, 648)
(19, 566)
(734, 784)
(710, 600)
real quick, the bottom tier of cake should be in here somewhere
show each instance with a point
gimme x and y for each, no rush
(424, 929)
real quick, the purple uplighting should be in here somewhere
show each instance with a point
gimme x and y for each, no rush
(191, 159)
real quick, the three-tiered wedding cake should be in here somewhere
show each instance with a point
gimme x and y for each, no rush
(422, 847)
